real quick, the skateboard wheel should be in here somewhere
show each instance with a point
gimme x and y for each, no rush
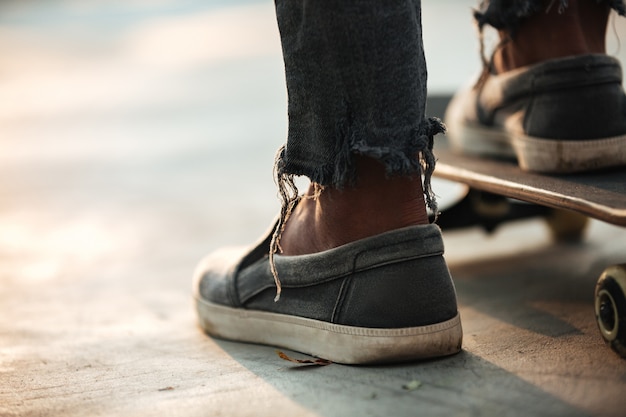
(566, 225)
(610, 307)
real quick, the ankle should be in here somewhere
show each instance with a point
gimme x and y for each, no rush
(580, 29)
(374, 205)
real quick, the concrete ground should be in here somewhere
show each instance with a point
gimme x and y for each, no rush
(137, 136)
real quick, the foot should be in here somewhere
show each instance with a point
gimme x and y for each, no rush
(556, 106)
(362, 273)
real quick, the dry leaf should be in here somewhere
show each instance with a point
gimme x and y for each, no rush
(319, 362)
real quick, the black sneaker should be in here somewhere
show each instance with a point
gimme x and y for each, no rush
(386, 298)
(559, 116)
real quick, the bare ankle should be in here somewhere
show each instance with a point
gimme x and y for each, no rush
(579, 29)
(374, 205)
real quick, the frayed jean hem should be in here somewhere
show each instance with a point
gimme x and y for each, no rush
(411, 155)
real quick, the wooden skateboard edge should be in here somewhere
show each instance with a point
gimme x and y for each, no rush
(530, 194)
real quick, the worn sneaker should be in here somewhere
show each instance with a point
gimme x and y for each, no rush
(386, 298)
(559, 116)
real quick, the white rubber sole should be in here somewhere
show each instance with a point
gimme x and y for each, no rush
(537, 154)
(336, 343)
(567, 156)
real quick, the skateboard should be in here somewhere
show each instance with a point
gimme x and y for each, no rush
(498, 191)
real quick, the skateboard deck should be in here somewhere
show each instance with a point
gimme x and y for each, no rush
(599, 195)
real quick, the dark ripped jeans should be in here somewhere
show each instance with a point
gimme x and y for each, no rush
(356, 81)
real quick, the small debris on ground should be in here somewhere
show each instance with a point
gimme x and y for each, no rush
(413, 385)
(318, 362)
(166, 389)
